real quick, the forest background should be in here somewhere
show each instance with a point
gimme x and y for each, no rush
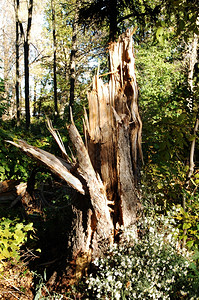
(49, 53)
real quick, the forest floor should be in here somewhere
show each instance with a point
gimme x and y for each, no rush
(16, 282)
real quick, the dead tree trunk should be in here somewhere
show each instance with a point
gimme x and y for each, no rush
(105, 170)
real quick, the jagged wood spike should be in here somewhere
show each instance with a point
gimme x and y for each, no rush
(72, 156)
(85, 134)
(57, 138)
(86, 120)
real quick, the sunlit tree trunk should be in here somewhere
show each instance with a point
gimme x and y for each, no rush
(193, 58)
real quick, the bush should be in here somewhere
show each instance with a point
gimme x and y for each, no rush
(12, 236)
(150, 267)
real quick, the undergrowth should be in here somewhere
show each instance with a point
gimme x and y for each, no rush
(152, 266)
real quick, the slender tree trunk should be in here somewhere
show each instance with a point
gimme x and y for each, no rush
(17, 60)
(35, 97)
(192, 62)
(26, 61)
(73, 57)
(27, 96)
(54, 57)
(5, 65)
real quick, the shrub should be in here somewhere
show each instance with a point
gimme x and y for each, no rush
(12, 236)
(150, 267)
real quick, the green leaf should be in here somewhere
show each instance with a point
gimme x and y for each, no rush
(159, 35)
(5, 253)
(28, 227)
(190, 243)
(38, 250)
(186, 226)
(159, 32)
(2, 170)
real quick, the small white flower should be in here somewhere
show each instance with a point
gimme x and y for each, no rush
(117, 295)
(110, 278)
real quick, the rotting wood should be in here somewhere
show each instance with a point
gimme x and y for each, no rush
(8, 185)
(11, 191)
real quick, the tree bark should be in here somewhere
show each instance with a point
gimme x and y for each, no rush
(17, 59)
(26, 61)
(54, 57)
(73, 57)
(35, 97)
(5, 65)
(27, 94)
(104, 171)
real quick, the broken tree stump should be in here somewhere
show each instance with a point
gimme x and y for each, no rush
(105, 169)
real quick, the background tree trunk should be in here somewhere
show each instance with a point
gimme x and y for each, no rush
(27, 93)
(54, 58)
(104, 173)
(193, 59)
(17, 60)
(73, 56)
(5, 66)
(26, 61)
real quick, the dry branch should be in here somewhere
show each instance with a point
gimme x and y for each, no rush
(55, 164)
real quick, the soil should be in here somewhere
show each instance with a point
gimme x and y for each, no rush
(16, 282)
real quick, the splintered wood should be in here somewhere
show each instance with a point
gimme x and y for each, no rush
(113, 136)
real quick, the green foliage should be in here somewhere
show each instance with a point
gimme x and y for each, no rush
(117, 16)
(167, 121)
(188, 221)
(12, 236)
(165, 182)
(15, 164)
(182, 15)
(165, 116)
(147, 268)
(86, 44)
